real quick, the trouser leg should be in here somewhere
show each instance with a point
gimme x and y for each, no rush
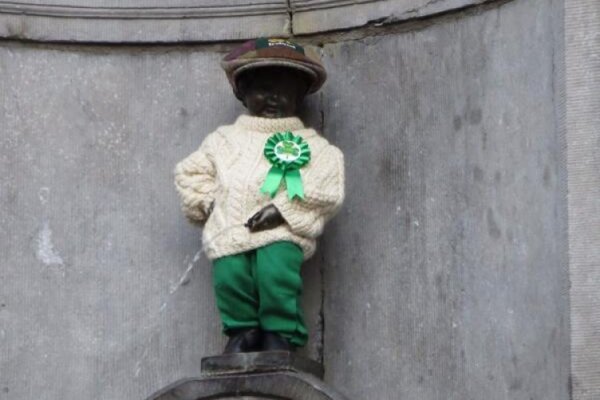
(280, 288)
(235, 291)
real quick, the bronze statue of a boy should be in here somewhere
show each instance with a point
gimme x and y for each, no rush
(263, 188)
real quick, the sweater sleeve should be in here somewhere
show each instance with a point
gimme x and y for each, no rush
(196, 182)
(323, 195)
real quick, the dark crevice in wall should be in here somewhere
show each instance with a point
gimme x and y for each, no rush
(290, 11)
(321, 324)
(129, 48)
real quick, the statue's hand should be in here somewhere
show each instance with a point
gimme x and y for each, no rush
(268, 217)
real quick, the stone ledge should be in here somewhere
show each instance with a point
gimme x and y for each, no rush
(279, 385)
(73, 25)
(276, 374)
(266, 361)
(153, 21)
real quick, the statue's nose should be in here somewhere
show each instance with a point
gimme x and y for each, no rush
(273, 97)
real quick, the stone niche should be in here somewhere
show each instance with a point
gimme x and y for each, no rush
(162, 21)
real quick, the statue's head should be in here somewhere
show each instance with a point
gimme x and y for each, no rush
(271, 77)
(273, 91)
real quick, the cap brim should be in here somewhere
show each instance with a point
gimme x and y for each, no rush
(238, 66)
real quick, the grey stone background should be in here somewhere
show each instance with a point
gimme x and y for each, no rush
(583, 128)
(454, 138)
(445, 275)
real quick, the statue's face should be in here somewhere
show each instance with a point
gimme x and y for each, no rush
(272, 92)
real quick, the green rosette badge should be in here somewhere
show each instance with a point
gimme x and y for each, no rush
(287, 153)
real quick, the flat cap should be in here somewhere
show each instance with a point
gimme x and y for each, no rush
(264, 52)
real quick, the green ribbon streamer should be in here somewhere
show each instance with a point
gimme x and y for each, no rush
(282, 170)
(272, 181)
(293, 182)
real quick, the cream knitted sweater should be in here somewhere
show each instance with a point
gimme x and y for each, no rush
(229, 168)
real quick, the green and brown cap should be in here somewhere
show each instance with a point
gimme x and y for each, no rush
(264, 52)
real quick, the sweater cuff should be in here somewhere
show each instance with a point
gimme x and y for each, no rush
(301, 220)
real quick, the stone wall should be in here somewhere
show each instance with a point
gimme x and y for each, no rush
(445, 275)
(583, 121)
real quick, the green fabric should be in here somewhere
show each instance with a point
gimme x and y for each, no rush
(293, 182)
(272, 181)
(262, 288)
(265, 43)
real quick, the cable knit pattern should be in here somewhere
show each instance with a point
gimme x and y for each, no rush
(227, 171)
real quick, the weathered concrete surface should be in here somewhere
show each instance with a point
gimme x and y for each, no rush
(105, 291)
(310, 16)
(142, 20)
(446, 271)
(583, 124)
(150, 21)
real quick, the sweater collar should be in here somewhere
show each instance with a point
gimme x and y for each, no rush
(268, 125)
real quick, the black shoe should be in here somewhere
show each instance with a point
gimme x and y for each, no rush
(243, 341)
(272, 341)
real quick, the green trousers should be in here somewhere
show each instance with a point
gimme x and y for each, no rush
(262, 288)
